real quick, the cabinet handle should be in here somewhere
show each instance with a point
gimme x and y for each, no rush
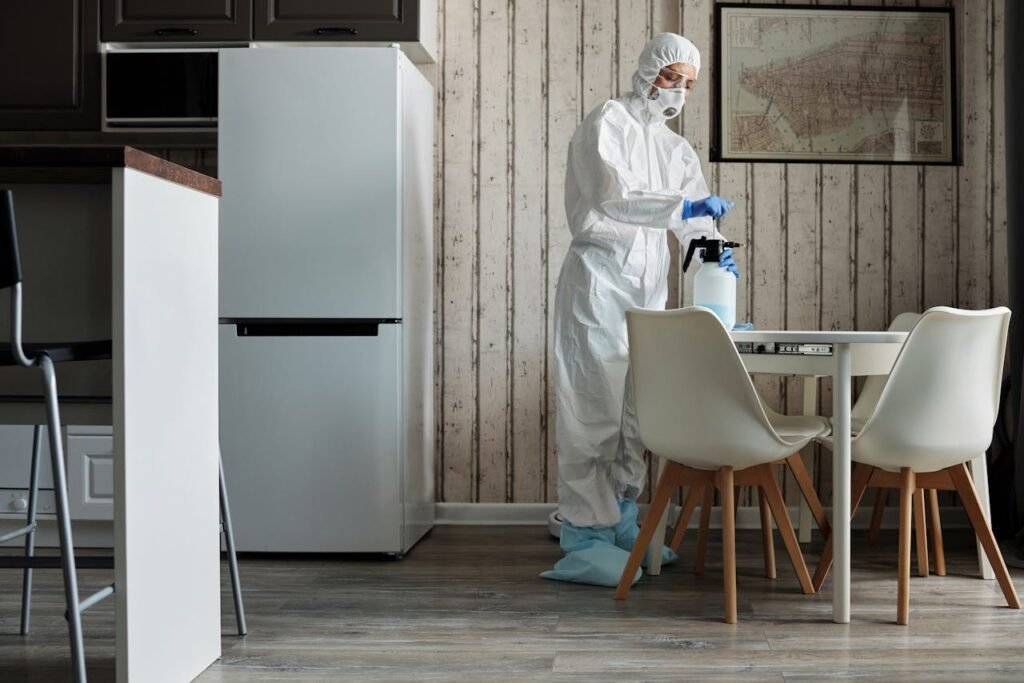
(335, 30)
(176, 32)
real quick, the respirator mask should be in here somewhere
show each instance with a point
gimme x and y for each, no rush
(667, 102)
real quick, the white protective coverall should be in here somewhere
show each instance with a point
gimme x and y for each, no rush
(627, 177)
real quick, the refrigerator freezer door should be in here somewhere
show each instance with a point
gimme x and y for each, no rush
(309, 153)
(311, 441)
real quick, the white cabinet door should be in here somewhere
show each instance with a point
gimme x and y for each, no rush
(90, 458)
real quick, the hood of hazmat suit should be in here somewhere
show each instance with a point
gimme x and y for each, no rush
(628, 174)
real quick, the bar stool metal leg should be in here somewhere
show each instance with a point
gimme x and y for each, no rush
(30, 537)
(229, 539)
(67, 546)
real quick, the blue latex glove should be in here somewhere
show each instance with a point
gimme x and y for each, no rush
(743, 327)
(711, 206)
(728, 262)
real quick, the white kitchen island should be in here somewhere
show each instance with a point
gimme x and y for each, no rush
(160, 310)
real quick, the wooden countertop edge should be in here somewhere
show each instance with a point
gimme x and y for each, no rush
(37, 161)
(168, 170)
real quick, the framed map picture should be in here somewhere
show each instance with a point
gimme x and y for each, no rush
(835, 84)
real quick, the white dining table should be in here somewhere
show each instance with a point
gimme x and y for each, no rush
(841, 355)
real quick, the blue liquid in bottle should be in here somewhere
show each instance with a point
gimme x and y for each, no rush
(727, 314)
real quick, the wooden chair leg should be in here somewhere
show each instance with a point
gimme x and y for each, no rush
(667, 485)
(725, 484)
(684, 516)
(969, 497)
(881, 500)
(702, 532)
(778, 507)
(920, 533)
(935, 524)
(903, 589)
(767, 542)
(806, 486)
(861, 479)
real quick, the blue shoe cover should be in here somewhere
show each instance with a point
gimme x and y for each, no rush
(627, 530)
(591, 557)
(597, 563)
(598, 555)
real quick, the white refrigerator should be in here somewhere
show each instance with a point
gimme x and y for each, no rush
(326, 298)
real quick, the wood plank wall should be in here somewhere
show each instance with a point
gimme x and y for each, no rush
(831, 245)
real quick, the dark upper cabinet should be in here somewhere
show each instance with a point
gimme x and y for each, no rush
(345, 20)
(133, 21)
(49, 50)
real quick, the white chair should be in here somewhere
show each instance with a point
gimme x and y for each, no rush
(804, 483)
(698, 409)
(862, 410)
(933, 415)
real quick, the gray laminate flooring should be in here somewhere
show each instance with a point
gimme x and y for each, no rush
(466, 605)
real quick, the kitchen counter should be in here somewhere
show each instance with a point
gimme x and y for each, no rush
(91, 164)
(120, 244)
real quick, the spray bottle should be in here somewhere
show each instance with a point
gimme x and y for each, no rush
(714, 287)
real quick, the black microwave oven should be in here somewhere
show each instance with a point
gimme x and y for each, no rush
(160, 88)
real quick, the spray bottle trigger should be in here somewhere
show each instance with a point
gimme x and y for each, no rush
(699, 243)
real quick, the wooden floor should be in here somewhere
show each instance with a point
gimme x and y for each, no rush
(466, 605)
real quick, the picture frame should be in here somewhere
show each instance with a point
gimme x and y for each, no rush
(835, 84)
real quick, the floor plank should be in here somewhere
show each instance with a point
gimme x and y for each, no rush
(467, 605)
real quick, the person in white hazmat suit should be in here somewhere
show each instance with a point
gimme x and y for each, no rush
(629, 180)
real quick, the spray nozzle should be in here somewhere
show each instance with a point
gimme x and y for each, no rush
(712, 250)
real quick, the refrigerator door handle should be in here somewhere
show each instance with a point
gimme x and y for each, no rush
(285, 327)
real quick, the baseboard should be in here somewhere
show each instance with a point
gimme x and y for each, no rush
(493, 514)
(536, 514)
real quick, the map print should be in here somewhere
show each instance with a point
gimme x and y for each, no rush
(836, 84)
